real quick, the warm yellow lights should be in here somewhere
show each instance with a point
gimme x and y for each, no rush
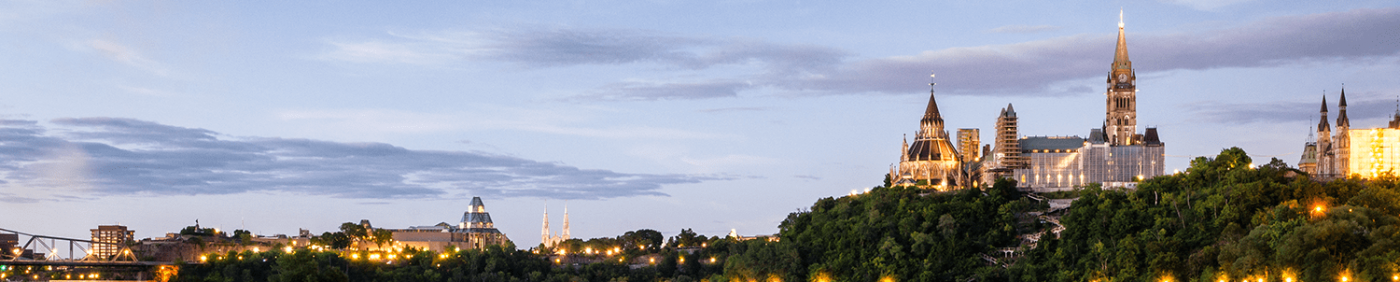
(354, 256)
(256, 249)
(712, 259)
(287, 249)
(1372, 152)
(651, 260)
(887, 279)
(203, 258)
(373, 256)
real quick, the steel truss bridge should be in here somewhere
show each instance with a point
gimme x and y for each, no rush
(38, 258)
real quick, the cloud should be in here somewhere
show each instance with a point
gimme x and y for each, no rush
(651, 91)
(1024, 29)
(1028, 68)
(125, 55)
(115, 156)
(733, 109)
(1293, 111)
(1205, 5)
(555, 47)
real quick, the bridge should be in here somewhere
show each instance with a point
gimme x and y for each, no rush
(38, 258)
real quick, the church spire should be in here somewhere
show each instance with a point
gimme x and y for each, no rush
(566, 221)
(1342, 120)
(1120, 55)
(1322, 125)
(544, 234)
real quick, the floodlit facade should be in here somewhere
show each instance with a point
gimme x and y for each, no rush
(1114, 155)
(474, 231)
(932, 160)
(1342, 155)
(1364, 153)
(1374, 152)
(545, 235)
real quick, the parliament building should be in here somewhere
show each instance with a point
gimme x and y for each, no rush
(1114, 155)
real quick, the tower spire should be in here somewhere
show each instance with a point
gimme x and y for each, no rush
(544, 232)
(565, 236)
(1322, 123)
(1120, 55)
(932, 124)
(1342, 120)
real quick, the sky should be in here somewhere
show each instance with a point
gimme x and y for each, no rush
(711, 115)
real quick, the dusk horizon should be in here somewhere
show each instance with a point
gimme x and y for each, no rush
(716, 117)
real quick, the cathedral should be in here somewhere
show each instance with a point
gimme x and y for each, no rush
(550, 241)
(1114, 155)
(1365, 153)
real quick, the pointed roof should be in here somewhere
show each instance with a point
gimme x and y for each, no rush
(931, 114)
(1322, 124)
(1344, 97)
(1342, 120)
(1008, 111)
(1120, 55)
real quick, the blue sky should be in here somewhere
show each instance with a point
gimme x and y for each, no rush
(712, 115)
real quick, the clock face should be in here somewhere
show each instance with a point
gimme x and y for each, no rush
(1122, 77)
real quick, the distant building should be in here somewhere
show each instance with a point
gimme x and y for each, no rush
(115, 236)
(969, 139)
(474, 231)
(931, 161)
(548, 240)
(1114, 155)
(8, 243)
(1365, 153)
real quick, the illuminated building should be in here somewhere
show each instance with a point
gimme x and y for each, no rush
(116, 237)
(1365, 153)
(968, 141)
(1114, 155)
(545, 238)
(474, 231)
(932, 160)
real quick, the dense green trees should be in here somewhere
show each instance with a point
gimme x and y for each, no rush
(1222, 219)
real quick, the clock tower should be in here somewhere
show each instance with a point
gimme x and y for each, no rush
(1120, 121)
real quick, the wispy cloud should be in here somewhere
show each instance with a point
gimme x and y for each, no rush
(553, 47)
(1293, 111)
(733, 109)
(1024, 29)
(114, 156)
(126, 55)
(1026, 68)
(1205, 5)
(660, 90)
